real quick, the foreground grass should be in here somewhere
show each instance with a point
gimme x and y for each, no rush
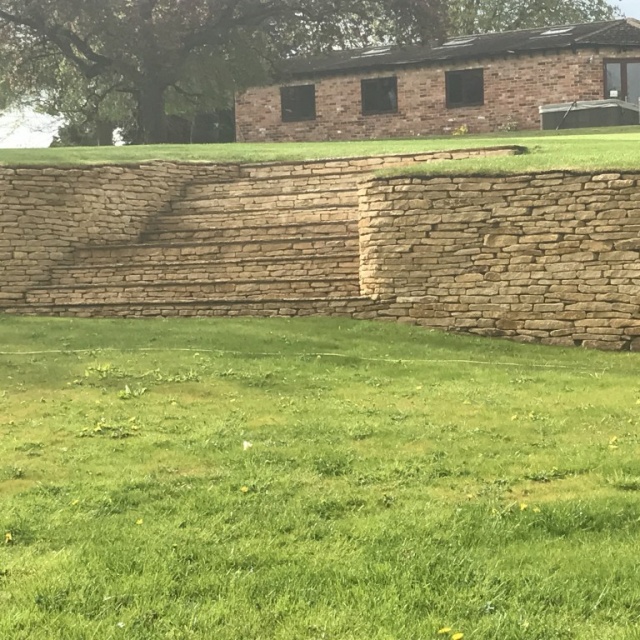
(575, 149)
(399, 482)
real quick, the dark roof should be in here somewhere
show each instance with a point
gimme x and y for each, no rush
(618, 33)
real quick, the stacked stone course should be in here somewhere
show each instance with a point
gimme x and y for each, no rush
(185, 231)
(551, 258)
(46, 213)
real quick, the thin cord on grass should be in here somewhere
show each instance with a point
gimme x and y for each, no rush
(260, 354)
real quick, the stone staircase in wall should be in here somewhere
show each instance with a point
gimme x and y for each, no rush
(269, 243)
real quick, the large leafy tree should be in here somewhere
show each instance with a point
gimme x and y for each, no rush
(320, 26)
(135, 61)
(140, 48)
(482, 16)
(100, 59)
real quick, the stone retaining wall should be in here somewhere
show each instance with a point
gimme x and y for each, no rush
(45, 212)
(552, 258)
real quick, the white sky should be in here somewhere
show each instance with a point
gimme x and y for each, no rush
(24, 130)
(630, 8)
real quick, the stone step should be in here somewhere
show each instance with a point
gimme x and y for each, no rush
(270, 186)
(185, 291)
(326, 167)
(199, 219)
(350, 306)
(317, 266)
(254, 233)
(220, 250)
(226, 203)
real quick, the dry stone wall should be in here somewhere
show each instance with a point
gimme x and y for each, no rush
(48, 216)
(279, 170)
(45, 212)
(551, 258)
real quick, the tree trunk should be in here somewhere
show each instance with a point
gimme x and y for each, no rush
(105, 130)
(152, 120)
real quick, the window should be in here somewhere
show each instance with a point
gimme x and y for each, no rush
(465, 88)
(622, 80)
(298, 102)
(379, 95)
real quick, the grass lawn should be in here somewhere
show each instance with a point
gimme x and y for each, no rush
(610, 148)
(313, 479)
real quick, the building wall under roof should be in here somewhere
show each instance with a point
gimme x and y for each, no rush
(514, 88)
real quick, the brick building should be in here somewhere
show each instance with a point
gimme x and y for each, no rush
(483, 82)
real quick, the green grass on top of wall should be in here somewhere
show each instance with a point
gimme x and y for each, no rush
(593, 151)
(574, 149)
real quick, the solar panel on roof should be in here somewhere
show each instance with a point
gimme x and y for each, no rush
(372, 52)
(557, 32)
(456, 42)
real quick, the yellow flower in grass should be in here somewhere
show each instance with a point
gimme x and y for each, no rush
(457, 636)
(8, 538)
(139, 521)
(244, 489)
(444, 631)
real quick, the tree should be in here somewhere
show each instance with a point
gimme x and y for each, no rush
(482, 16)
(136, 47)
(101, 58)
(356, 23)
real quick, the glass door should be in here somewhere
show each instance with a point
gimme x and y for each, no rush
(622, 80)
(633, 82)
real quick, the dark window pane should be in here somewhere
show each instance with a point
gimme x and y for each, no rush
(455, 94)
(465, 88)
(298, 102)
(613, 80)
(379, 95)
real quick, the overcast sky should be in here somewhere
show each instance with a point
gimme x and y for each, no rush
(31, 130)
(630, 8)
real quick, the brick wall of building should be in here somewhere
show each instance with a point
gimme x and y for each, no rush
(514, 89)
(551, 258)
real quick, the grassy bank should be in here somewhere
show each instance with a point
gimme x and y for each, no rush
(576, 149)
(591, 152)
(313, 479)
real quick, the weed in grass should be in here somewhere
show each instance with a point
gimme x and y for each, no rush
(13, 472)
(128, 393)
(625, 482)
(332, 464)
(547, 476)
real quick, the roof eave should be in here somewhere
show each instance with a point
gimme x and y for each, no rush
(430, 62)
